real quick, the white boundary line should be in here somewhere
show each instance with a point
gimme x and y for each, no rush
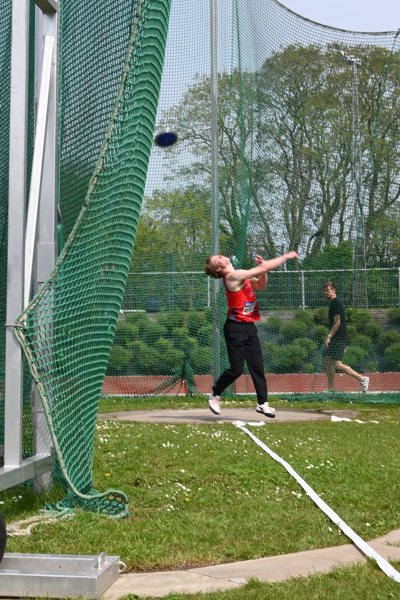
(356, 539)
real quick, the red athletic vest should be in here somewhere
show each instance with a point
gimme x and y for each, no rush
(242, 305)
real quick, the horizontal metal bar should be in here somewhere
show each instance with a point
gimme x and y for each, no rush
(28, 469)
(305, 271)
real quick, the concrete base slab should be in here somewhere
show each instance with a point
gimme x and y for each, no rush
(57, 575)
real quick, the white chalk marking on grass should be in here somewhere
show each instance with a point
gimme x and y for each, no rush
(336, 419)
(251, 423)
(355, 538)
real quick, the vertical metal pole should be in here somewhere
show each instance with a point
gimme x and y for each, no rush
(303, 294)
(356, 160)
(170, 280)
(354, 145)
(357, 229)
(359, 194)
(42, 117)
(214, 127)
(360, 291)
(46, 253)
(47, 226)
(398, 286)
(16, 229)
(214, 180)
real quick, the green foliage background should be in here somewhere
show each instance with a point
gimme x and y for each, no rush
(159, 344)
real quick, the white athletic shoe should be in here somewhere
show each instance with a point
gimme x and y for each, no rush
(266, 410)
(364, 384)
(214, 404)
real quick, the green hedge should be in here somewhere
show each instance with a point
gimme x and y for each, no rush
(162, 343)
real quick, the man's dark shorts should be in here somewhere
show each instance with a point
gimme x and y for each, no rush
(336, 348)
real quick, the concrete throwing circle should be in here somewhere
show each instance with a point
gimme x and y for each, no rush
(228, 415)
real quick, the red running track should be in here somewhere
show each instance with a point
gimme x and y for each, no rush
(290, 383)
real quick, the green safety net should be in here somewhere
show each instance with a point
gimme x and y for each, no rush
(111, 61)
(307, 155)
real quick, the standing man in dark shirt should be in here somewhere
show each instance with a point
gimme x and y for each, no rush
(335, 343)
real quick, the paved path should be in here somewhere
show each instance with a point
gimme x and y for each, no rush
(233, 575)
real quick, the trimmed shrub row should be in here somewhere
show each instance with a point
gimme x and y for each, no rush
(163, 343)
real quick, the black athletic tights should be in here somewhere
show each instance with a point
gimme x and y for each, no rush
(243, 344)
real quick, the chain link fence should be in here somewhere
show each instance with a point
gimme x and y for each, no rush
(191, 290)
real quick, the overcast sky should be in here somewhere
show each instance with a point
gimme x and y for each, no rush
(356, 15)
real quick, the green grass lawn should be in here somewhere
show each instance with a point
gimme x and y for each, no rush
(207, 494)
(327, 401)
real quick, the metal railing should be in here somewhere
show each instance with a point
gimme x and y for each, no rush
(191, 290)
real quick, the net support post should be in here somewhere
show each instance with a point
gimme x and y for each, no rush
(214, 180)
(16, 231)
(47, 34)
(398, 286)
(303, 290)
(16, 469)
(46, 232)
(42, 114)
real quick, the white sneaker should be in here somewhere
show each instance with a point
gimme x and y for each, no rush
(266, 410)
(364, 384)
(214, 404)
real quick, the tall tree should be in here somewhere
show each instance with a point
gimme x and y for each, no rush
(174, 229)
(287, 148)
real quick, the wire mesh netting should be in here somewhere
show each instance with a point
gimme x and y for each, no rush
(109, 86)
(308, 157)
